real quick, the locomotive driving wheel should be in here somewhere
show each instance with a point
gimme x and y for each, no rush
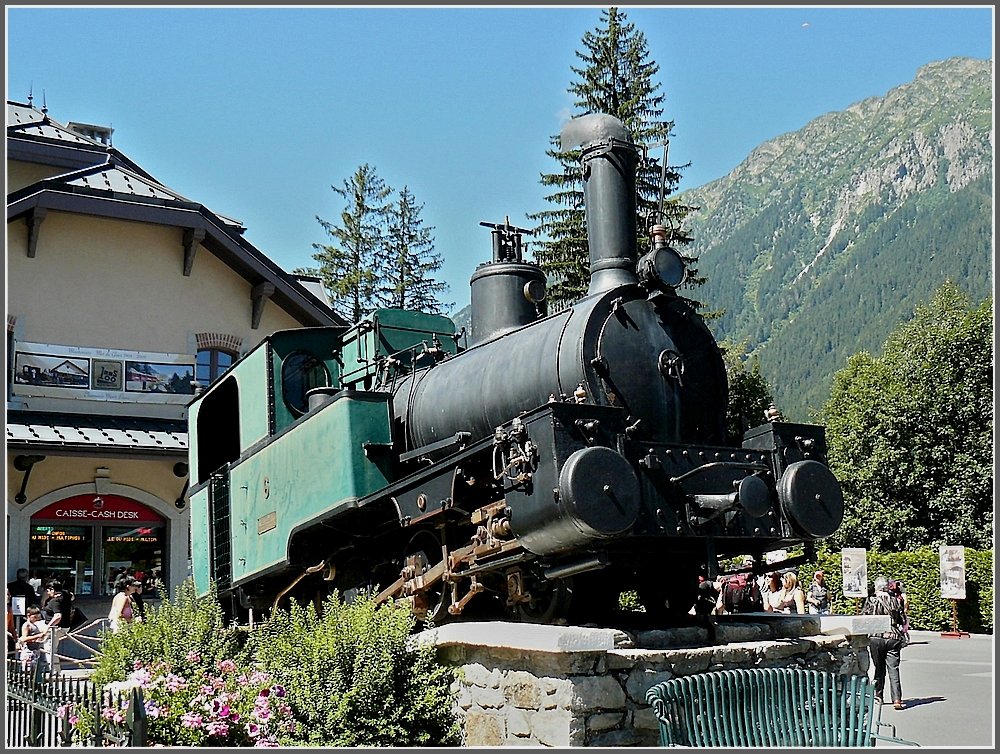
(424, 551)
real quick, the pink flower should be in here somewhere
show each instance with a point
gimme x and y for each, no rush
(192, 657)
(142, 676)
(191, 720)
(227, 666)
(217, 728)
(175, 683)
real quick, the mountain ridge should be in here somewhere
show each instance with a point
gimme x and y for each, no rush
(821, 223)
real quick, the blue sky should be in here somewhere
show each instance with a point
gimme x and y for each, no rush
(256, 111)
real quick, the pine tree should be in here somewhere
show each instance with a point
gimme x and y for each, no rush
(349, 267)
(616, 78)
(409, 283)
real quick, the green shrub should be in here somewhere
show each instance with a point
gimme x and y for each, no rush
(352, 677)
(920, 574)
(177, 629)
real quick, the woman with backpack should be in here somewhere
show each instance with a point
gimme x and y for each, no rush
(885, 647)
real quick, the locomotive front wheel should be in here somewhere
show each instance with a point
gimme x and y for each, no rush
(549, 601)
(668, 601)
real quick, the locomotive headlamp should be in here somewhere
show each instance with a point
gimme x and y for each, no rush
(662, 266)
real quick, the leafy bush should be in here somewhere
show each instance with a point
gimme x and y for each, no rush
(225, 706)
(173, 632)
(354, 679)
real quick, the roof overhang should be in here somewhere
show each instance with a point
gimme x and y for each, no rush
(75, 434)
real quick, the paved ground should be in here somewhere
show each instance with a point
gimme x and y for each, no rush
(949, 692)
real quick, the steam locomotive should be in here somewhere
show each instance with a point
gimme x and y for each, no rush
(533, 469)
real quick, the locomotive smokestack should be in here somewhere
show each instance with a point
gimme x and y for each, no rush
(609, 160)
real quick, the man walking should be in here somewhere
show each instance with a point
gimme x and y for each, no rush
(885, 648)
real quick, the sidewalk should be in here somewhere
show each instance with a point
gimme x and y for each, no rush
(949, 691)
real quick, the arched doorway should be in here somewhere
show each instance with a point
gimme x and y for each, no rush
(85, 540)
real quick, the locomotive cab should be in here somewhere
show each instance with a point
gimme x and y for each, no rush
(259, 476)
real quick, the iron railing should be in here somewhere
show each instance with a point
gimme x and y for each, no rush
(37, 704)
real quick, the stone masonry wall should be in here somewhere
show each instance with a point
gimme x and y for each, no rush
(528, 685)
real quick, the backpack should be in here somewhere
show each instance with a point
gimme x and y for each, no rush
(741, 594)
(891, 606)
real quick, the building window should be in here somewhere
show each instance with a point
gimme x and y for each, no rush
(212, 362)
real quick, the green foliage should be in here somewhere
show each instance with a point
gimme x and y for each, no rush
(919, 570)
(353, 678)
(629, 602)
(616, 78)
(171, 632)
(910, 433)
(349, 266)
(380, 254)
(408, 280)
(749, 393)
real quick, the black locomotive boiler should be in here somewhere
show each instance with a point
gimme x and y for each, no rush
(550, 464)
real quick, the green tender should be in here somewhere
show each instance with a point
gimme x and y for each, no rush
(769, 707)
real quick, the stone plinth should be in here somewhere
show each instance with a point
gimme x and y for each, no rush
(531, 685)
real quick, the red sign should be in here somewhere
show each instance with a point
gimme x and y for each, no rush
(106, 509)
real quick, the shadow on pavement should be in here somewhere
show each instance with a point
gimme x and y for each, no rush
(917, 702)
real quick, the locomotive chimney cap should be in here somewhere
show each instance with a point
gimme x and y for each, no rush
(588, 129)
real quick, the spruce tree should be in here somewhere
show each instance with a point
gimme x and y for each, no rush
(409, 281)
(350, 266)
(618, 78)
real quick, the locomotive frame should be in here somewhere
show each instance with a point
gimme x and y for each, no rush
(535, 471)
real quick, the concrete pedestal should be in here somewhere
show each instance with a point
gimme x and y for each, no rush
(531, 685)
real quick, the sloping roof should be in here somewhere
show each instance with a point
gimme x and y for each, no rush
(119, 180)
(18, 112)
(42, 431)
(104, 183)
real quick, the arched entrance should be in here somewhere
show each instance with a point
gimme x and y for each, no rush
(85, 540)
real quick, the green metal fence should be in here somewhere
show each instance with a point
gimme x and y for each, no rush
(36, 704)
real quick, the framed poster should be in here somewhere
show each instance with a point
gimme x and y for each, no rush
(854, 568)
(952, 572)
(51, 370)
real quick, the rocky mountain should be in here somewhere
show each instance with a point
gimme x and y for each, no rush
(823, 240)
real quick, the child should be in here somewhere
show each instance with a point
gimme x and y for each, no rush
(34, 632)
